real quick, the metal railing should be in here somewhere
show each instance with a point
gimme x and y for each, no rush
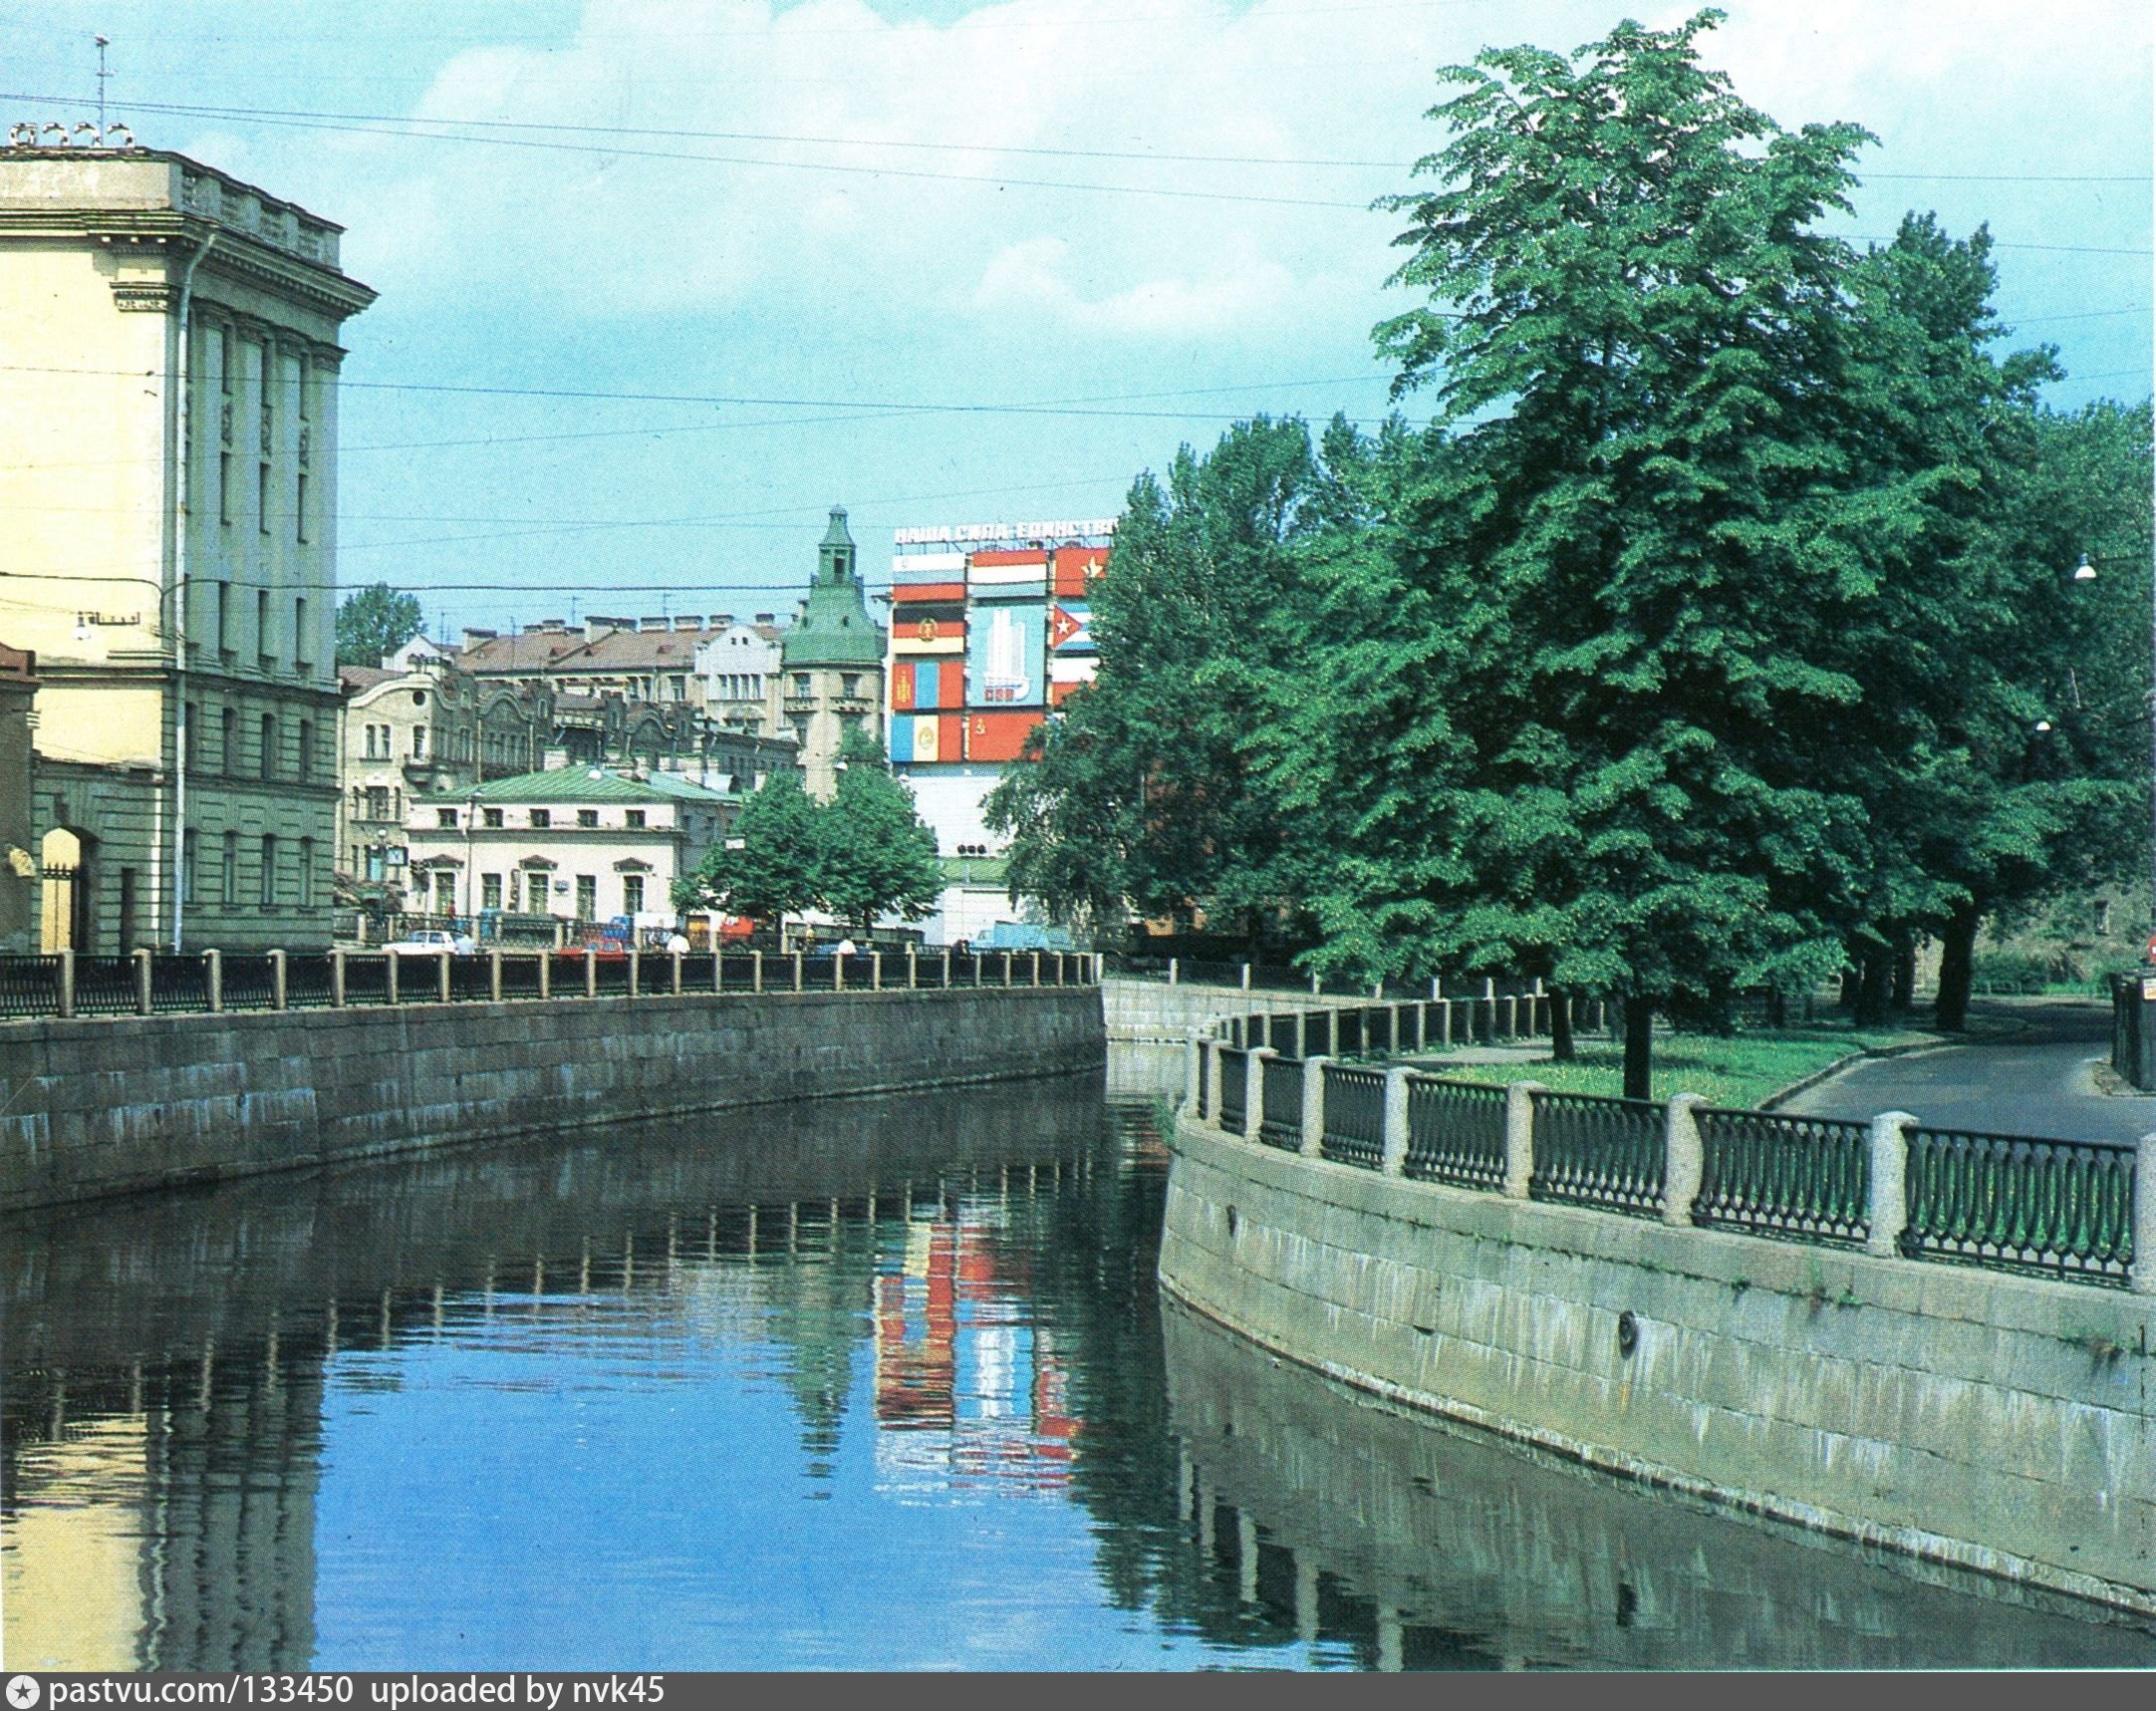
(1233, 1069)
(1455, 1132)
(1353, 1115)
(29, 986)
(1807, 1179)
(2019, 1203)
(1281, 1124)
(1593, 1151)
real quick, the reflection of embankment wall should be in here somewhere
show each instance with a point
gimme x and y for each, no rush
(1998, 1422)
(104, 1106)
(1476, 1551)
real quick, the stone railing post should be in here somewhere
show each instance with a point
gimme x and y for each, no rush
(494, 974)
(1394, 1160)
(1313, 1106)
(1683, 1159)
(1301, 1035)
(755, 971)
(546, 974)
(591, 972)
(337, 979)
(1392, 1029)
(213, 979)
(1313, 987)
(875, 971)
(912, 968)
(946, 969)
(390, 979)
(1253, 1091)
(676, 956)
(1036, 968)
(143, 979)
(1212, 1080)
(636, 972)
(67, 983)
(280, 983)
(718, 969)
(1006, 967)
(1519, 1137)
(1445, 1024)
(1246, 977)
(2144, 1215)
(799, 972)
(1175, 971)
(838, 973)
(441, 976)
(1888, 1211)
(1194, 1071)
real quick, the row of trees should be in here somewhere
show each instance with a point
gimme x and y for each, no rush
(861, 855)
(1716, 635)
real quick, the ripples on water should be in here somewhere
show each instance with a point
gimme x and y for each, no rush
(872, 1383)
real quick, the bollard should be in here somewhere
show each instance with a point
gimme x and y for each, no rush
(336, 981)
(493, 974)
(1253, 1091)
(1887, 1210)
(280, 987)
(1313, 1106)
(441, 976)
(1519, 1137)
(591, 972)
(213, 979)
(1394, 1160)
(1213, 1082)
(2143, 1281)
(1684, 1161)
(142, 979)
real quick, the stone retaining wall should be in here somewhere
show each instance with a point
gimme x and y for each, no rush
(100, 1106)
(1998, 1422)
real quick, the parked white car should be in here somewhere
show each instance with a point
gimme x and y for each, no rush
(431, 941)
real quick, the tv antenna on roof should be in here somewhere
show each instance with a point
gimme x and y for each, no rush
(104, 42)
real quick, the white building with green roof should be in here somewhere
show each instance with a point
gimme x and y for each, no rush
(586, 843)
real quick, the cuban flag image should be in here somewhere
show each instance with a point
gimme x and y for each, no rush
(1070, 628)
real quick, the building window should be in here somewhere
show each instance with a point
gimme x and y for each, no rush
(633, 894)
(541, 819)
(228, 741)
(262, 497)
(586, 818)
(224, 619)
(801, 683)
(677, 687)
(269, 869)
(307, 873)
(269, 747)
(850, 684)
(224, 486)
(418, 743)
(298, 509)
(228, 875)
(187, 858)
(490, 816)
(378, 802)
(264, 645)
(306, 751)
(300, 649)
(633, 818)
(586, 897)
(490, 891)
(191, 716)
(445, 818)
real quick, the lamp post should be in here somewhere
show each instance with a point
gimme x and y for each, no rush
(2085, 571)
(471, 822)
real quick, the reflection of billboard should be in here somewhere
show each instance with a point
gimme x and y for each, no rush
(1005, 644)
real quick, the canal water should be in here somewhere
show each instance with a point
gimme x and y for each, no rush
(873, 1383)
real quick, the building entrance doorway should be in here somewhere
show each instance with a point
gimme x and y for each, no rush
(67, 864)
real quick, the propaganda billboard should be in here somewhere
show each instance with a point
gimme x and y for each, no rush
(1006, 655)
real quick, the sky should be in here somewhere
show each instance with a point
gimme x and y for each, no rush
(659, 284)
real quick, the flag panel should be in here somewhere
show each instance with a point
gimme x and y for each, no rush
(1077, 568)
(1006, 655)
(997, 735)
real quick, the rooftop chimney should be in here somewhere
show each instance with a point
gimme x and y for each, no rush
(661, 622)
(767, 617)
(686, 623)
(472, 637)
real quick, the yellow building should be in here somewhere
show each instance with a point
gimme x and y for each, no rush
(168, 488)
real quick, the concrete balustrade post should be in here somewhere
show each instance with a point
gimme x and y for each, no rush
(1254, 1090)
(755, 971)
(719, 969)
(799, 971)
(1194, 1071)
(1302, 1035)
(1519, 1137)
(1436, 991)
(493, 974)
(546, 974)
(838, 973)
(1036, 968)
(2143, 1280)
(390, 976)
(1887, 1209)
(678, 960)
(912, 968)
(981, 963)
(875, 971)
(1393, 1030)
(280, 981)
(1394, 1160)
(67, 983)
(1511, 1017)
(1212, 1080)
(636, 972)
(591, 972)
(1175, 971)
(1684, 1161)
(1313, 987)
(1246, 977)
(1313, 1106)
(213, 980)
(1006, 967)
(1445, 1024)
(337, 979)
(441, 976)
(142, 980)
(946, 969)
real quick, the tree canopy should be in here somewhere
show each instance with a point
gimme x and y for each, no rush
(373, 622)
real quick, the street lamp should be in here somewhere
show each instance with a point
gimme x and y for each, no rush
(2085, 571)
(472, 820)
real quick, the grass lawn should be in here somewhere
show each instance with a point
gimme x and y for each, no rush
(1738, 1070)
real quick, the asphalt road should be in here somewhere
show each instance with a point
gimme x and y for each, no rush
(2037, 1081)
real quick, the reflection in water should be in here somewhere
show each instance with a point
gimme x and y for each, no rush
(866, 1383)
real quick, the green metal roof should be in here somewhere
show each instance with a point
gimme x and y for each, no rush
(833, 628)
(592, 784)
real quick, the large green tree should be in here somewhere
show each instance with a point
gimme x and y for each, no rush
(772, 863)
(375, 621)
(876, 856)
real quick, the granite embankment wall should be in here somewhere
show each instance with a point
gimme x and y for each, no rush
(100, 1106)
(1154, 1012)
(1999, 1422)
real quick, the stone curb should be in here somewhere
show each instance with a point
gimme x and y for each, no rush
(1775, 1099)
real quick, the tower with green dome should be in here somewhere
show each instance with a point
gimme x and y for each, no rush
(832, 661)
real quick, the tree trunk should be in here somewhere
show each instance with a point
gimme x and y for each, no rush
(1639, 1047)
(1778, 1008)
(1562, 1048)
(1957, 966)
(1875, 987)
(1904, 971)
